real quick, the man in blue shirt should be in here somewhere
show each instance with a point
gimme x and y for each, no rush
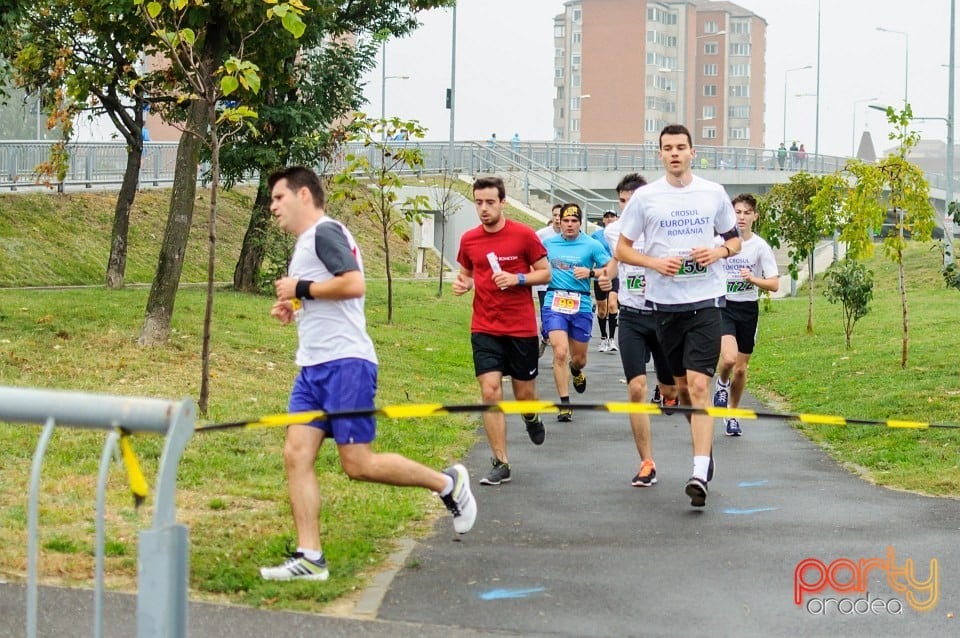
(575, 258)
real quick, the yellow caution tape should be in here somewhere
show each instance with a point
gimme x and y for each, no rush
(419, 410)
(138, 485)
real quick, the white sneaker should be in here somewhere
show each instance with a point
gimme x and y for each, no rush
(612, 346)
(297, 567)
(604, 345)
(460, 501)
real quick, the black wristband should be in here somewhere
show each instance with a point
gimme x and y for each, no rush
(729, 252)
(303, 289)
(592, 274)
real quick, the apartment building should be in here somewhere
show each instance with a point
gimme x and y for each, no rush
(624, 69)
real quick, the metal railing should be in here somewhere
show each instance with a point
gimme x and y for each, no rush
(163, 550)
(103, 163)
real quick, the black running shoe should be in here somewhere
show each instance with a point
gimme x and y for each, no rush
(499, 474)
(697, 491)
(535, 430)
(579, 381)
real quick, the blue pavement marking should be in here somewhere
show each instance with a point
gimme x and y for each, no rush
(501, 594)
(751, 483)
(755, 510)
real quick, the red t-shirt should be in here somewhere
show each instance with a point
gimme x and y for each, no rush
(508, 312)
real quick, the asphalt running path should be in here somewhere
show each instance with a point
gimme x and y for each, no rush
(570, 548)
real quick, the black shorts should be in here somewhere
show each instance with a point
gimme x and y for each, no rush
(513, 356)
(637, 336)
(740, 319)
(601, 295)
(690, 339)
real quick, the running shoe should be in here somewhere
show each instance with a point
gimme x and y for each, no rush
(733, 427)
(579, 381)
(535, 430)
(499, 474)
(565, 415)
(297, 567)
(721, 397)
(543, 347)
(604, 345)
(460, 501)
(647, 475)
(697, 491)
(657, 397)
(667, 404)
(612, 345)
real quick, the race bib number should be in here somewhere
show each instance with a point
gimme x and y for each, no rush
(738, 285)
(565, 303)
(689, 269)
(637, 282)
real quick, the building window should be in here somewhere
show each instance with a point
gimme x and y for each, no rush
(709, 69)
(576, 15)
(740, 48)
(576, 37)
(575, 61)
(708, 132)
(710, 26)
(740, 90)
(709, 90)
(740, 70)
(558, 52)
(575, 125)
(709, 112)
(651, 126)
(710, 48)
(575, 79)
(742, 133)
(558, 72)
(739, 111)
(740, 26)
(575, 103)
(558, 31)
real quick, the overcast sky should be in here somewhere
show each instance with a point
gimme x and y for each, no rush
(504, 76)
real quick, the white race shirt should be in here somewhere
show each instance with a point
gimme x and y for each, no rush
(757, 256)
(633, 279)
(672, 220)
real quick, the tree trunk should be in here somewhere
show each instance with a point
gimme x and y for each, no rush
(810, 275)
(254, 241)
(117, 262)
(386, 249)
(204, 398)
(903, 305)
(163, 293)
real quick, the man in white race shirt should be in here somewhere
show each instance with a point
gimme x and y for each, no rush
(754, 267)
(638, 341)
(678, 216)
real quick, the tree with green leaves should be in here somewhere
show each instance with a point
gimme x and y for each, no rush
(371, 181)
(788, 217)
(891, 184)
(82, 58)
(207, 85)
(849, 283)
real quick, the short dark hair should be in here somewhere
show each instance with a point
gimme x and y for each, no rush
(747, 199)
(491, 182)
(555, 207)
(676, 129)
(630, 183)
(299, 177)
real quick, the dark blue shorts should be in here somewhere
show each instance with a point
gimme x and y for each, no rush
(344, 384)
(578, 326)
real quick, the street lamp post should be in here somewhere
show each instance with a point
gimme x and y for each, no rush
(453, 88)
(906, 60)
(785, 76)
(383, 89)
(853, 134)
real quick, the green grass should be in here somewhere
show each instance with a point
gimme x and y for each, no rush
(815, 373)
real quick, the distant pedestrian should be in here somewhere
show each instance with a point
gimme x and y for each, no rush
(794, 156)
(323, 293)
(782, 155)
(515, 142)
(802, 157)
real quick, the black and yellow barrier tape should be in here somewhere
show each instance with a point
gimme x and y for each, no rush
(138, 485)
(422, 410)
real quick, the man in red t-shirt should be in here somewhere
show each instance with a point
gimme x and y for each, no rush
(499, 259)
